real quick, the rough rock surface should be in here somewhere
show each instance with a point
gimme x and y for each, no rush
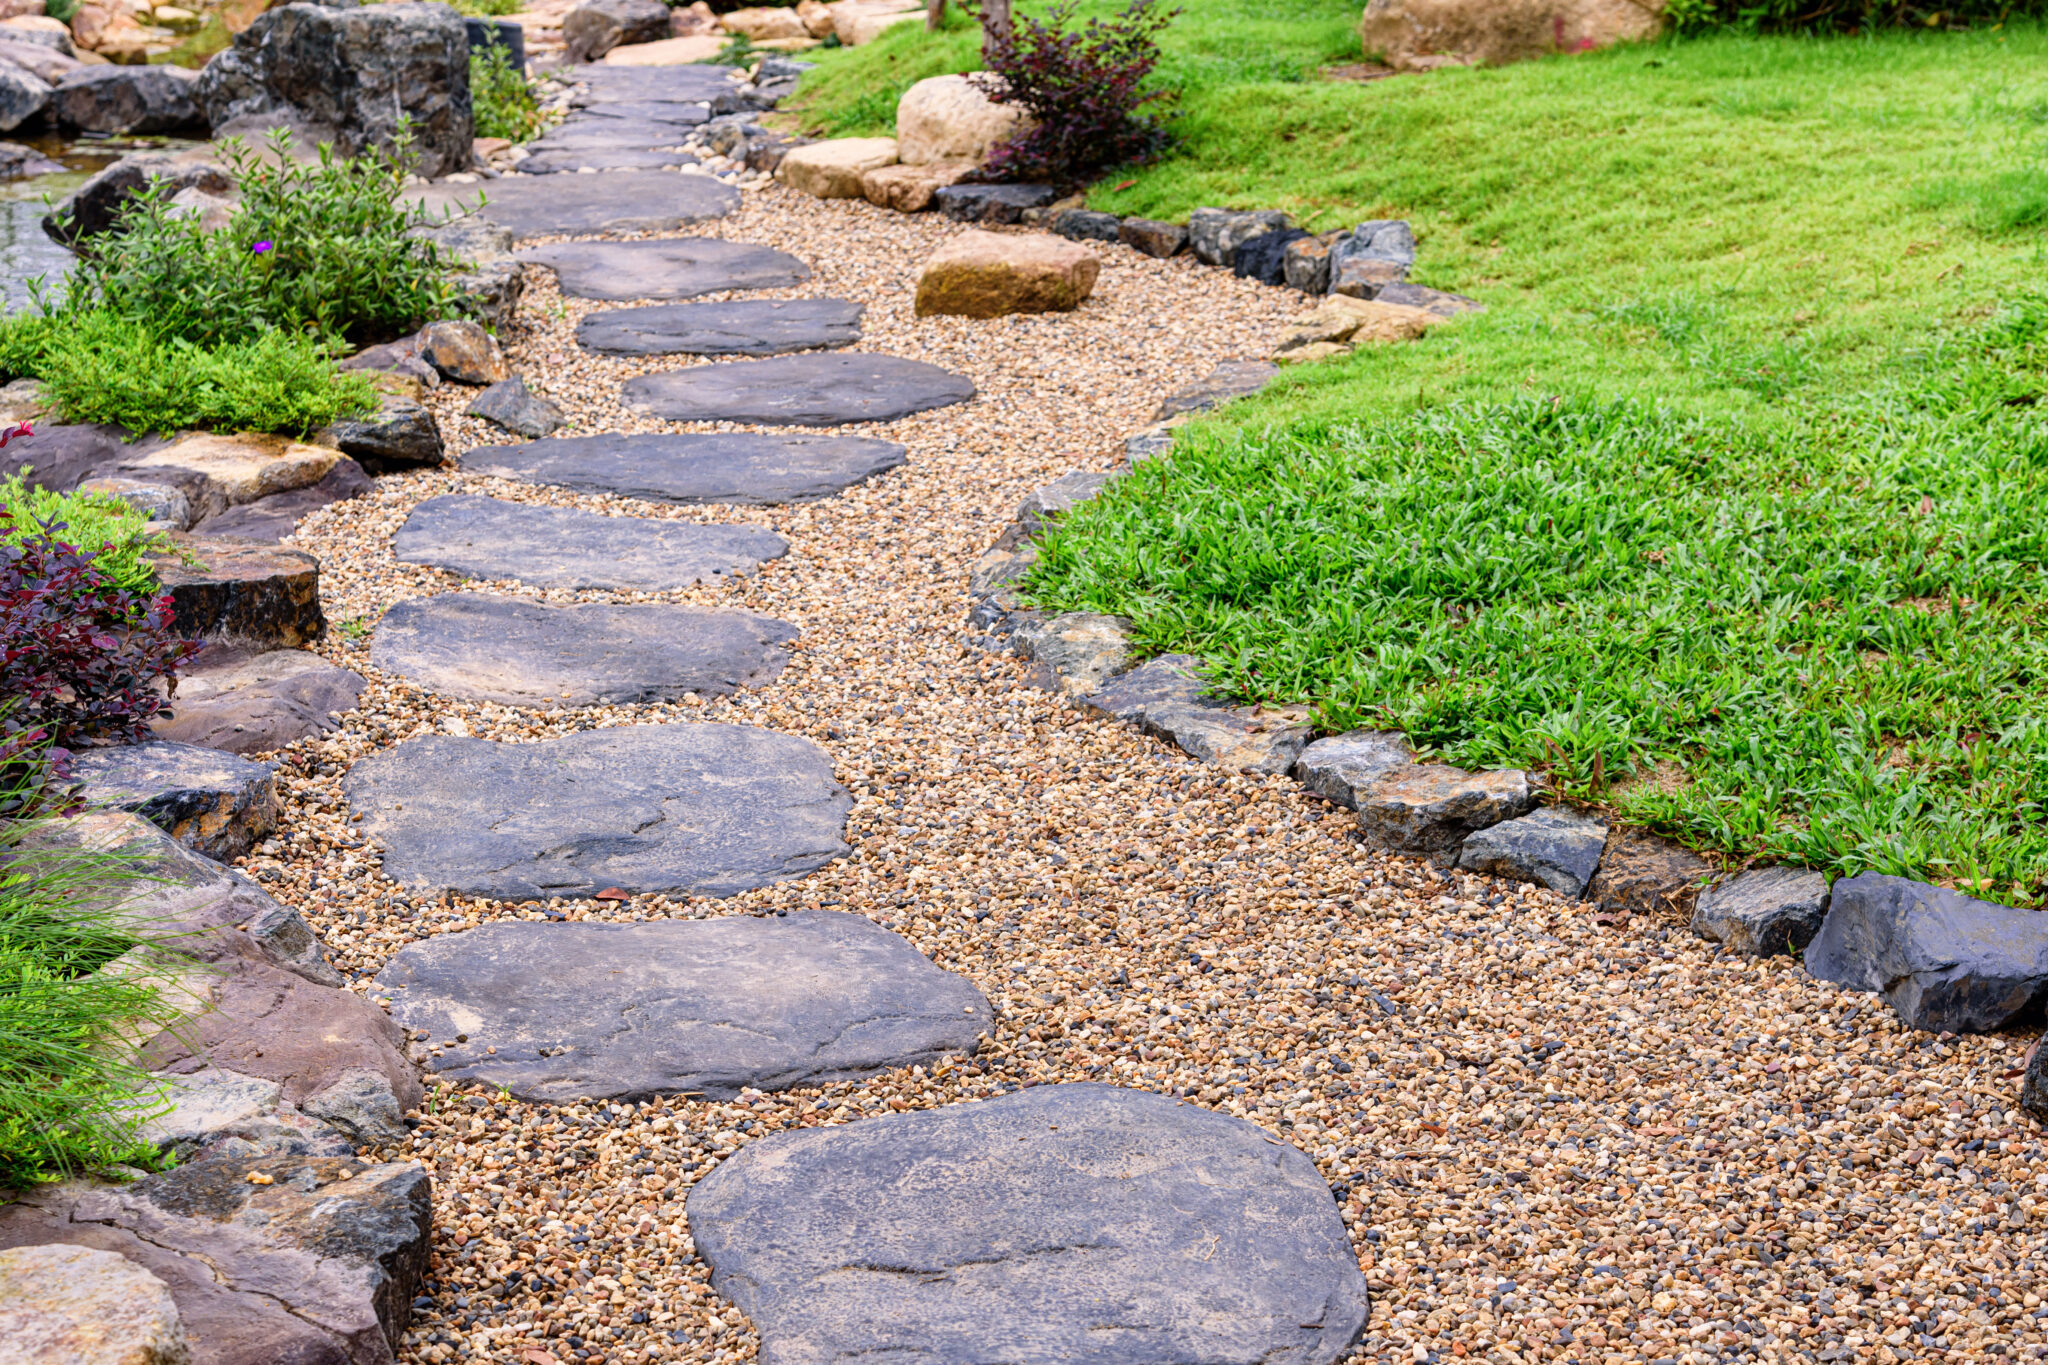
(463, 351)
(574, 205)
(1085, 225)
(991, 203)
(72, 1304)
(93, 207)
(1163, 697)
(911, 189)
(1422, 35)
(1066, 1222)
(246, 703)
(1431, 807)
(1336, 768)
(1765, 911)
(819, 390)
(1375, 255)
(743, 327)
(1076, 652)
(1215, 234)
(2034, 1085)
(243, 594)
(707, 810)
(832, 169)
(949, 118)
(595, 27)
(519, 653)
(22, 96)
(1264, 257)
(224, 1113)
(213, 803)
(1641, 874)
(1436, 301)
(514, 407)
(1231, 379)
(665, 269)
(1059, 497)
(1341, 318)
(1947, 962)
(118, 100)
(278, 515)
(559, 1012)
(985, 274)
(737, 467)
(228, 470)
(1152, 237)
(564, 547)
(1558, 848)
(401, 434)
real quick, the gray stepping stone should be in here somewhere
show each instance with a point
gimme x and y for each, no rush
(575, 161)
(564, 547)
(744, 327)
(732, 467)
(1063, 1223)
(524, 654)
(673, 113)
(671, 269)
(676, 84)
(567, 205)
(799, 390)
(608, 133)
(709, 810)
(560, 1012)
(214, 803)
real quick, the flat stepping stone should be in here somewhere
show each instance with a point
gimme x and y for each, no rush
(742, 468)
(518, 653)
(799, 390)
(672, 269)
(573, 162)
(668, 84)
(564, 547)
(1062, 1223)
(563, 1012)
(567, 205)
(743, 327)
(680, 113)
(708, 810)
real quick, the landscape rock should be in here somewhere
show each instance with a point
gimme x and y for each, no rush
(742, 327)
(1164, 698)
(1076, 652)
(1946, 962)
(679, 268)
(1151, 443)
(950, 118)
(1306, 262)
(1231, 379)
(238, 468)
(162, 502)
(72, 1304)
(999, 568)
(125, 99)
(46, 64)
(22, 96)
(595, 27)
(511, 405)
(1152, 237)
(1339, 767)
(93, 207)
(1555, 847)
(19, 163)
(868, 27)
(278, 515)
(764, 24)
(1059, 497)
(1431, 807)
(39, 31)
(1423, 35)
(971, 1232)
(987, 274)
(1264, 257)
(464, 352)
(495, 279)
(399, 359)
(1442, 304)
(241, 593)
(1342, 320)
(1641, 874)
(910, 189)
(847, 14)
(1084, 225)
(1215, 234)
(2034, 1085)
(708, 810)
(815, 390)
(744, 468)
(1376, 254)
(400, 435)
(214, 803)
(246, 703)
(564, 547)
(832, 169)
(997, 204)
(582, 205)
(1764, 911)
(216, 1113)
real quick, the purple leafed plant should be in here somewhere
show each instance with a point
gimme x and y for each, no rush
(1082, 90)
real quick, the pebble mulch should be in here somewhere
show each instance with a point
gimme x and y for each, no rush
(1552, 1139)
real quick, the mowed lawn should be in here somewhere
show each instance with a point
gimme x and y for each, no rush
(1730, 513)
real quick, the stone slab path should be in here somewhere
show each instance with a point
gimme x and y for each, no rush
(666, 84)
(603, 157)
(665, 268)
(524, 654)
(740, 468)
(566, 547)
(620, 201)
(563, 1012)
(747, 327)
(799, 390)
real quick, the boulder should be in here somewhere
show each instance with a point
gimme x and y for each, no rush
(997, 204)
(46, 64)
(39, 30)
(766, 24)
(817, 18)
(1374, 255)
(349, 75)
(1765, 911)
(244, 702)
(1947, 962)
(986, 274)
(400, 359)
(1076, 652)
(494, 279)
(126, 99)
(240, 593)
(276, 516)
(93, 207)
(511, 405)
(832, 169)
(1556, 847)
(698, 47)
(909, 189)
(1641, 874)
(227, 470)
(1306, 263)
(22, 96)
(400, 435)
(1264, 257)
(1431, 807)
(1151, 237)
(1422, 35)
(1231, 379)
(162, 502)
(595, 27)
(847, 15)
(216, 1113)
(464, 352)
(951, 118)
(214, 803)
(1340, 320)
(68, 1303)
(1339, 767)
(1085, 225)
(1164, 697)
(1215, 234)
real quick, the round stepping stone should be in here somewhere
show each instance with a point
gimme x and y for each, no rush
(563, 547)
(733, 467)
(671, 269)
(561, 1012)
(1062, 1223)
(746, 327)
(501, 649)
(707, 810)
(623, 201)
(574, 161)
(799, 390)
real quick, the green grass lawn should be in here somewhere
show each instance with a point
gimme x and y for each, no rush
(1731, 511)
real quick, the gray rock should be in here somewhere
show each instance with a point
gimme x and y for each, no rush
(1429, 300)
(1947, 962)
(1063, 1223)
(1231, 379)
(82, 1306)
(676, 117)
(274, 517)
(215, 1113)
(1059, 497)
(22, 96)
(511, 405)
(730, 467)
(1556, 847)
(1151, 237)
(1077, 652)
(2034, 1085)
(1264, 257)
(19, 163)
(523, 654)
(1431, 807)
(1765, 911)
(1149, 444)
(162, 502)
(604, 157)
(1163, 697)
(95, 206)
(401, 357)
(999, 568)
(46, 40)
(627, 1011)
(493, 280)
(213, 803)
(577, 205)
(747, 327)
(401, 434)
(679, 268)
(1216, 233)
(1307, 263)
(125, 99)
(563, 547)
(597, 26)
(1641, 874)
(244, 594)
(247, 703)
(1083, 225)
(709, 810)
(820, 390)
(352, 74)
(360, 1104)
(991, 203)
(1336, 768)
(1375, 255)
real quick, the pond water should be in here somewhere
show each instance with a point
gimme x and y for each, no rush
(26, 251)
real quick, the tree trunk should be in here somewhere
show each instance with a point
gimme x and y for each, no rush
(995, 22)
(934, 15)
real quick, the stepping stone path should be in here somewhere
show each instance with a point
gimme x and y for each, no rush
(565, 1012)
(707, 810)
(739, 468)
(799, 390)
(575, 159)
(1063, 1223)
(749, 327)
(623, 201)
(672, 269)
(524, 654)
(564, 547)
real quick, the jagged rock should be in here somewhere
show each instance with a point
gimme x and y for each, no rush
(1060, 496)
(93, 207)
(1151, 443)
(125, 99)
(999, 568)
(1164, 698)
(1306, 263)
(2034, 1085)
(1641, 874)
(511, 405)
(1431, 807)
(400, 435)
(986, 274)
(1338, 767)
(229, 470)
(214, 803)
(564, 547)
(277, 515)
(1264, 257)
(79, 1306)
(246, 703)
(399, 359)
(1375, 255)
(1765, 911)
(1556, 847)
(1231, 379)
(1152, 237)
(46, 64)
(991, 203)
(463, 351)
(495, 279)
(1341, 318)
(162, 502)
(1076, 652)
(597, 26)
(216, 1113)
(240, 593)
(1215, 234)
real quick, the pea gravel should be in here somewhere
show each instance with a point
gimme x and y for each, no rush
(1552, 1140)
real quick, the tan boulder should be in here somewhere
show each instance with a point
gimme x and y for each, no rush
(765, 23)
(847, 13)
(869, 27)
(948, 118)
(817, 19)
(1341, 319)
(909, 189)
(701, 47)
(832, 170)
(61, 1302)
(243, 467)
(987, 274)
(686, 22)
(1421, 35)
(1312, 352)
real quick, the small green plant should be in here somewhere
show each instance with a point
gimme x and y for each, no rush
(1841, 16)
(500, 97)
(488, 9)
(115, 533)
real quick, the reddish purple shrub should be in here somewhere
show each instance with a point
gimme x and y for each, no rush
(1082, 89)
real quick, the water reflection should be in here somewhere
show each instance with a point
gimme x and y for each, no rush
(26, 251)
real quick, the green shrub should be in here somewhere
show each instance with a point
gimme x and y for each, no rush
(111, 530)
(488, 9)
(1789, 16)
(500, 98)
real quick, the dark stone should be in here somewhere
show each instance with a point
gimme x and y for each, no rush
(1264, 257)
(1338, 767)
(273, 518)
(93, 207)
(574, 205)
(243, 594)
(563, 547)
(1059, 497)
(1231, 379)
(1641, 874)
(704, 84)
(1306, 263)
(820, 390)
(22, 96)
(747, 327)
(524, 654)
(680, 118)
(1375, 255)
(511, 405)
(493, 279)
(247, 703)
(1063, 1223)
(1152, 237)
(1431, 807)
(730, 467)
(1429, 300)
(560, 1012)
(463, 351)
(19, 163)
(597, 26)
(1215, 234)
(1084, 225)
(2034, 1085)
(401, 357)
(125, 99)
(1947, 962)
(400, 435)
(707, 810)
(484, 34)
(213, 803)
(61, 456)
(678, 268)
(991, 203)
(1555, 847)
(1164, 697)
(1765, 911)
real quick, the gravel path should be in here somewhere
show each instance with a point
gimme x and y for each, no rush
(1551, 1139)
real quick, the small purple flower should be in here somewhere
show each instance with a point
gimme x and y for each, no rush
(260, 248)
